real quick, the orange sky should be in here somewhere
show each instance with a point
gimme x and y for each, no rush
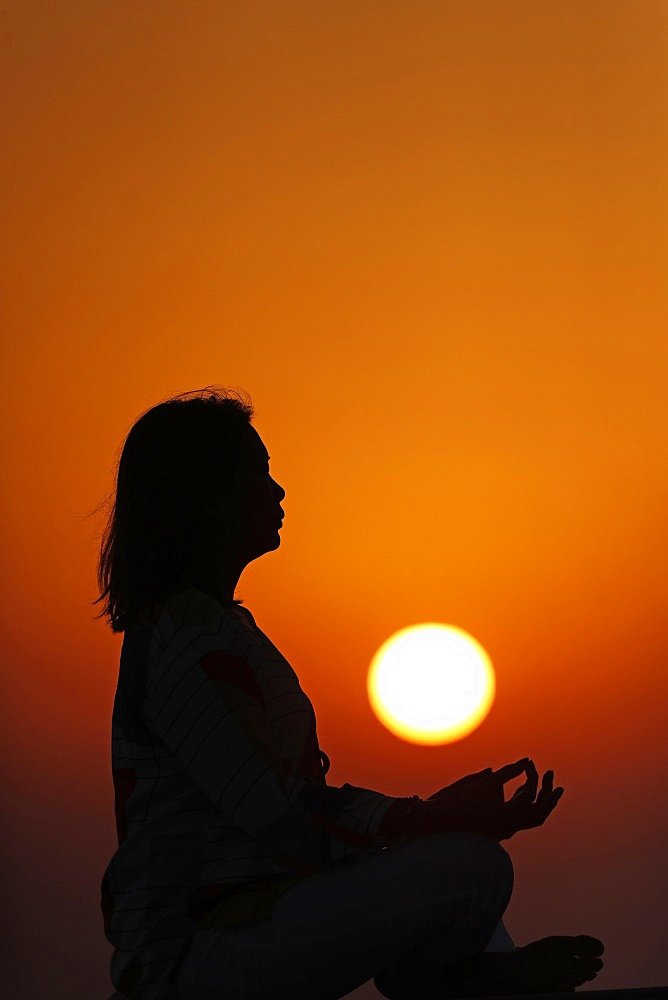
(429, 239)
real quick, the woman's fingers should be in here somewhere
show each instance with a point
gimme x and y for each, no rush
(528, 807)
(548, 795)
(525, 812)
(527, 792)
(556, 795)
(531, 784)
(510, 771)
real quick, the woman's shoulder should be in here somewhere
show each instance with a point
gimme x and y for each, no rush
(190, 606)
(193, 606)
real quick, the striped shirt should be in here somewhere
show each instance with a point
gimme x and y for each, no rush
(221, 799)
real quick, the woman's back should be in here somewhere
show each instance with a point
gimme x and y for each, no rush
(213, 744)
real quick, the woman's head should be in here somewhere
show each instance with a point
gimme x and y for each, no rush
(192, 490)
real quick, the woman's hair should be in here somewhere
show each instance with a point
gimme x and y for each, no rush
(166, 519)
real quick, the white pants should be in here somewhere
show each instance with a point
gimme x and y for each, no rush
(399, 917)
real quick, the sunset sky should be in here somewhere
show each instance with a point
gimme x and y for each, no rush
(428, 237)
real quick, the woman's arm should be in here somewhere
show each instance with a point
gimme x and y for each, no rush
(395, 821)
(408, 818)
(475, 804)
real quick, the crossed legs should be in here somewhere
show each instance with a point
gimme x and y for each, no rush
(400, 916)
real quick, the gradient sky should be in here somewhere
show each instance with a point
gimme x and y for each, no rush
(429, 239)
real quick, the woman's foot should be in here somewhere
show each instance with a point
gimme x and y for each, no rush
(550, 965)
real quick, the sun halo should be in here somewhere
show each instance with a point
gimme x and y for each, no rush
(431, 683)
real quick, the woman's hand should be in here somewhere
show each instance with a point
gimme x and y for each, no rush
(476, 802)
(466, 780)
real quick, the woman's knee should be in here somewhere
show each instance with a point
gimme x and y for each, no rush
(498, 856)
(475, 852)
(501, 862)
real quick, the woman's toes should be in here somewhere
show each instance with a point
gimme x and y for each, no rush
(592, 965)
(561, 962)
(587, 969)
(582, 945)
(588, 946)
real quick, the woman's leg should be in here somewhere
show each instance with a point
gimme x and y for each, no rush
(500, 939)
(401, 916)
(466, 919)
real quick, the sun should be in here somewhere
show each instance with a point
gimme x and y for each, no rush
(431, 683)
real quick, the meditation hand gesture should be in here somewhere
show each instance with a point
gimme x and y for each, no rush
(476, 802)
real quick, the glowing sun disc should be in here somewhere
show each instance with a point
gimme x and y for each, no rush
(431, 683)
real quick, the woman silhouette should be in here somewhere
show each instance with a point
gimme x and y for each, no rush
(239, 872)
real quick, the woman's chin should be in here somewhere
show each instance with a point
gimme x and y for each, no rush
(273, 543)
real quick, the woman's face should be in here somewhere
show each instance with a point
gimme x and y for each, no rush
(257, 500)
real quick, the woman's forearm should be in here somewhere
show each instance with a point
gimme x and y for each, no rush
(414, 817)
(393, 823)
